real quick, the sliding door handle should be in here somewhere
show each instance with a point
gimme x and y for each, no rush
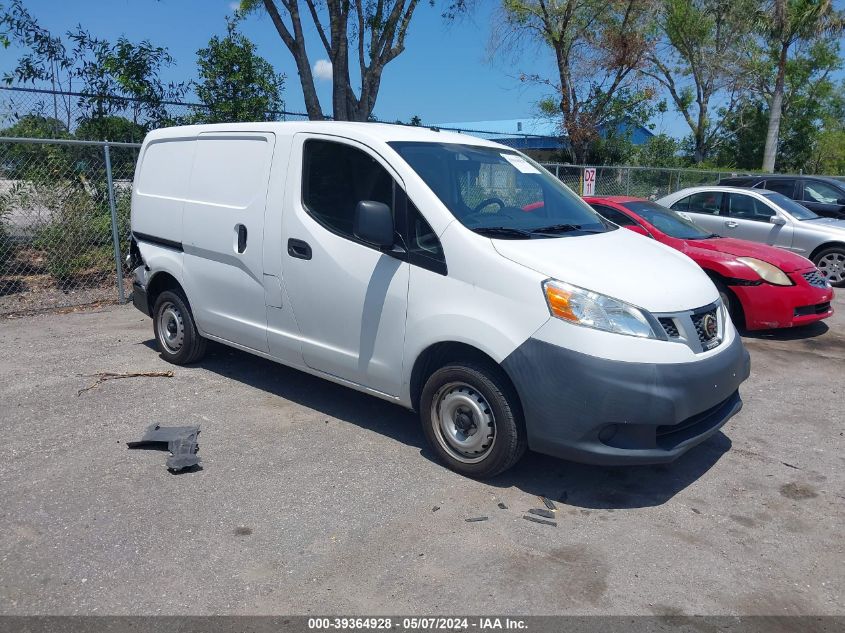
(241, 238)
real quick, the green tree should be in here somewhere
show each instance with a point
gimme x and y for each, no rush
(46, 58)
(785, 25)
(812, 104)
(598, 48)
(698, 59)
(236, 84)
(114, 76)
(660, 150)
(23, 160)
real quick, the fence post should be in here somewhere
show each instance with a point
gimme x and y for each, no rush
(114, 232)
(628, 181)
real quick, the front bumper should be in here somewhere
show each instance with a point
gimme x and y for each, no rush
(767, 306)
(600, 411)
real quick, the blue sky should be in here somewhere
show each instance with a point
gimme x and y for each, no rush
(443, 75)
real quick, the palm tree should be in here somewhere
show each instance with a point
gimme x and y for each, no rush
(788, 22)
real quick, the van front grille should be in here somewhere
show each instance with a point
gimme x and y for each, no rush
(707, 326)
(670, 327)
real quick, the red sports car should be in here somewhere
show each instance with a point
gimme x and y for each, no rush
(763, 287)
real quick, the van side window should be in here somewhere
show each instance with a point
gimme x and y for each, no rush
(424, 248)
(336, 177)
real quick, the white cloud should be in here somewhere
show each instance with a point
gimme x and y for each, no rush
(323, 69)
(234, 6)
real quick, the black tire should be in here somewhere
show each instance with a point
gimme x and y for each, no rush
(824, 258)
(179, 343)
(497, 399)
(732, 304)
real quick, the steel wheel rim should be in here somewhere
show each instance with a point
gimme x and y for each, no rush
(463, 422)
(832, 266)
(171, 327)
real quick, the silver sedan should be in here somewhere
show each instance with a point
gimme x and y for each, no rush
(767, 217)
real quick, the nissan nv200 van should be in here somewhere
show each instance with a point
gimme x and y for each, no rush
(448, 274)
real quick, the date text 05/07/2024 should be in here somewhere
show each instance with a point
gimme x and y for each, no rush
(417, 623)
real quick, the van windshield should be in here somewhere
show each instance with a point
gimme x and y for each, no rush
(500, 193)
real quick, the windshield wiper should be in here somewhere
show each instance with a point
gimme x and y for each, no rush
(562, 228)
(557, 228)
(501, 231)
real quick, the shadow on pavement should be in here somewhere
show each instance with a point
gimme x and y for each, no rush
(612, 487)
(583, 486)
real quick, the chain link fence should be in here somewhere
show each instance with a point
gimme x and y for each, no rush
(100, 117)
(64, 222)
(640, 182)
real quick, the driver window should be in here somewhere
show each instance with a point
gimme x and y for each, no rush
(335, 178)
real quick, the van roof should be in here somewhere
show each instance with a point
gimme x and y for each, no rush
(384, 132)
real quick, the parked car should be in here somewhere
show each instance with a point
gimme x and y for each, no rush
(768, 217)
(825, 196)
(762, 286)
(398, 261)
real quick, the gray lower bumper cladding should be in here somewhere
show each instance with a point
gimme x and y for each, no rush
(601, 411)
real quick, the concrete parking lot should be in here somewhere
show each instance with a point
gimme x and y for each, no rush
(317, 499)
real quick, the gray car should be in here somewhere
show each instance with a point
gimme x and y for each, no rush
(767, 217)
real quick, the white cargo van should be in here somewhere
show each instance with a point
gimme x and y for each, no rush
(448, 274)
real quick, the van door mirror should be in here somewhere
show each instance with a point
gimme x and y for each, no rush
(776, 219)
(374, 223)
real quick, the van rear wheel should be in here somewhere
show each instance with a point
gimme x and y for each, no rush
(472, 419)
(176, 334)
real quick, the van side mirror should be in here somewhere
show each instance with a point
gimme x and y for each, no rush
(776, 219)
(373, 223)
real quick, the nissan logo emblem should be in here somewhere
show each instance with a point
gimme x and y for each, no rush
(709, 325)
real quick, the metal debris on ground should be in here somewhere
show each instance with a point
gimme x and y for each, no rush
(502, 506)
(548, 502)
(542, 512)
(475, 519)
(107, 375)
(435, 508)
(181, 441)
(528, 517)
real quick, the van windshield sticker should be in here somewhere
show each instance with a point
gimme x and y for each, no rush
(520, 163)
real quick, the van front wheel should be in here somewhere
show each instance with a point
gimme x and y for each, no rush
(176, 333)
(472, 419)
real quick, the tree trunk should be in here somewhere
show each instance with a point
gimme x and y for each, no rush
(775, 111)
(296, 45)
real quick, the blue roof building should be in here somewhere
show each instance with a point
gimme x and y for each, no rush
(539, 134)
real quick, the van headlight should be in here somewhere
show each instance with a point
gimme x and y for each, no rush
(591, 309)
(768, 272)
